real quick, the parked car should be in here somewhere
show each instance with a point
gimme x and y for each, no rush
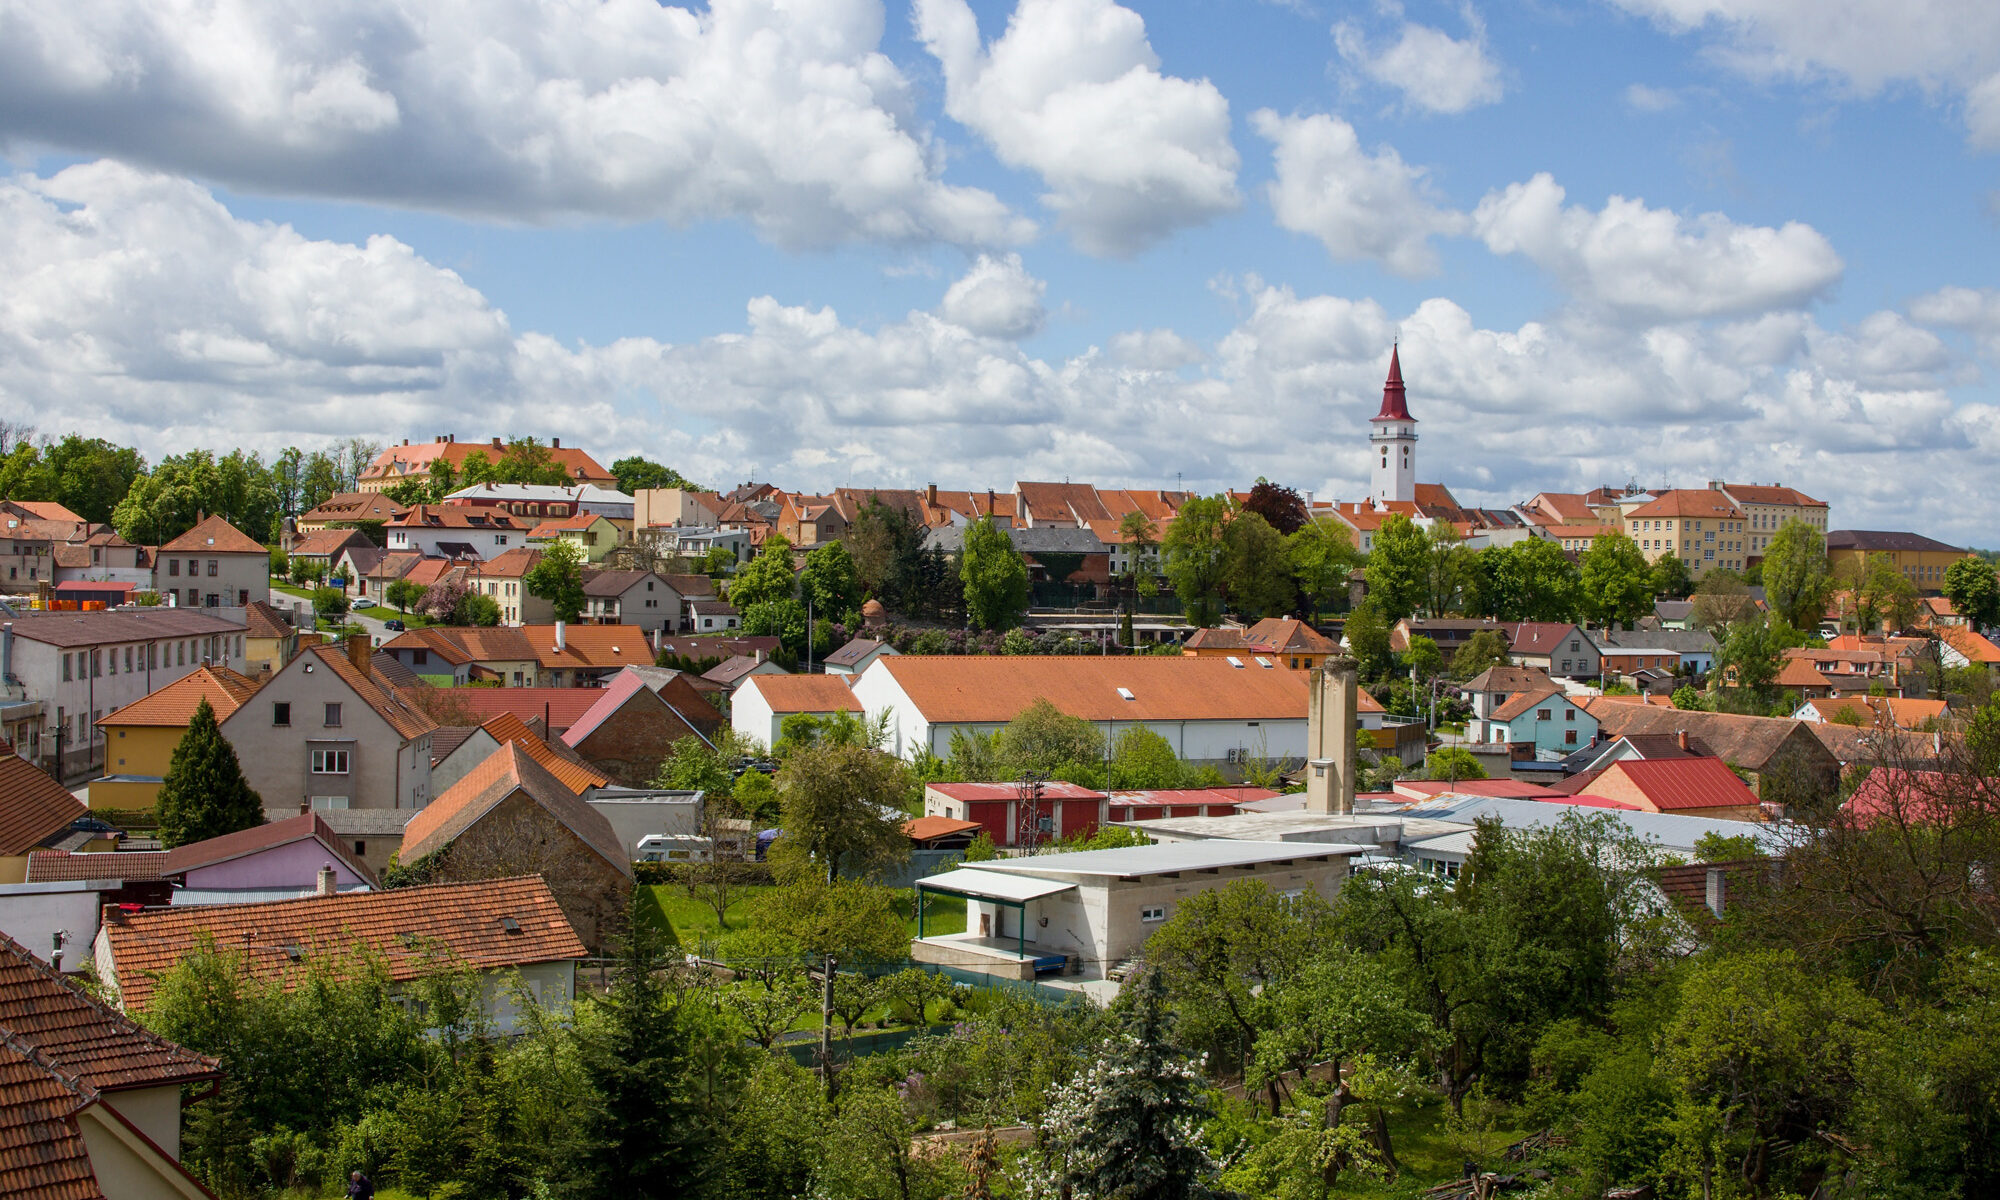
(394, 623)
(364, 602)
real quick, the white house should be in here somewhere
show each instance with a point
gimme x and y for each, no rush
(1087, 911)
(1224, 711)
(455, 531)
(856, 656)
(759, 706)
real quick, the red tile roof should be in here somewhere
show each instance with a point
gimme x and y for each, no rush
(1521, 702)
(591, 646)
(99, 1047)
(576, 776)
(1800, 673)
(562, 706)
(510, 769)
(1757, 493)
(804, 693)
(46, 510)
(1181, 797)
(261, 620)
(1689, 502)
(397, 462)
(173, 706)
(354, 506)
(52, 866)
(214, 536)
(1677, 784)
(406, 929)
(1053, 790)
(401, 716)
(957, 689)
(33, 807)
(453, 516)
(1424, 789)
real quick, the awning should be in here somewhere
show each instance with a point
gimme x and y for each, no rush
(992, 885)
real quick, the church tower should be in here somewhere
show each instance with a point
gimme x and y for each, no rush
(1393, 439)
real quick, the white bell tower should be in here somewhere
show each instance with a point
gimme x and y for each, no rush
(1392, 439)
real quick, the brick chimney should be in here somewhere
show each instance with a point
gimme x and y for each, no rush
(359, 652)
(1331, 716)
(496, 443)
(325, 887)
(1684, 739)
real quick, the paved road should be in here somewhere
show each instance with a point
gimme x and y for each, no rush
(368, 618)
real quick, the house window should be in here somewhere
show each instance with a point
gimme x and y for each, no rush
(128, 660)
(281, 714)
(1569, 714)
(333, 716)
(325, 802)
(1543, 714)
(329, 762)
(65, 668)
(1569, 737)
(420, 657)
(214, 568)
(173, 566)
(360, 848)
(1153, 914)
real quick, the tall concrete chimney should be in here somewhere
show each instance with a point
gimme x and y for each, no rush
(1331, 716)
(326, 880)
(559, 637)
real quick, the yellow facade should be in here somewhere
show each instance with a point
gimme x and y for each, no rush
(136, 758)
(1925, 568)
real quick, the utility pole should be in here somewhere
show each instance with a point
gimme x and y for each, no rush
(826, 1024)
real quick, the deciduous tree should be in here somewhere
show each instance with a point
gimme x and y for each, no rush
(1323, 556)
(841, 809)
(1617, 582)
(1974, 590)
(1260, 572)
(1398, 568)
(558, 578)
(765, 577)
(1195, 558)
(831, 582)
(1045, 741)
(995, 577)
(1797, 581)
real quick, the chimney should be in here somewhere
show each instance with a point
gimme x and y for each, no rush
(930, 494)
(325, 880)
(760, 656)
(1684, 739)
(496, 443)
(1718, 888)
(114, 915)
(555, 443)
(406, 441)
(359, 651)
(1331, 716)
(559, 637)
(7, 652)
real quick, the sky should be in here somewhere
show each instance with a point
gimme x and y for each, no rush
(843, 242)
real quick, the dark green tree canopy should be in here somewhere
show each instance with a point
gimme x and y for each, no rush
(204, 794)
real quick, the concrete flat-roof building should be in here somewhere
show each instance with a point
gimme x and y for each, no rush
(1087, 911)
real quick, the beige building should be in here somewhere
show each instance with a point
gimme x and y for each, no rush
(213, 565)
(1921, 560)
(325, 734)
(675, 506)
(1702, 527)
(1767, 507)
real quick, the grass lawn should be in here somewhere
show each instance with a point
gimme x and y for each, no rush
(292, 590)
(693, 921)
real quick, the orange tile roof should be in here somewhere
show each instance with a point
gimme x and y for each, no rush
(958, 689)
(1901, 712)
(214, 536)
(1755, 493)
(401, 717)
(53, 866)
(261, 620)
(407, 929)
(398, 462)
(924, 829)
(354, 506)
(1970, 644)
(577, 777)
(42, 1152)
(1290, 633)
(509, 769)
(578, 522)
(562, 706)
(326, 543)
(1800, 673)
(1689, 502)
(33, 807)
(514, 564)
(46, 510)
(805, 693)
(454, 516)
(173, 705)
(590, 646)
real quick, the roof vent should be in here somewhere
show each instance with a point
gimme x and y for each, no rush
(294, 952)
(211, 541)
(509, 925)
(1125, 692)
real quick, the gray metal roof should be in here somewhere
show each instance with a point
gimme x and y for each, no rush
(1127, 862)
(992, 885)
(1038, 539)
(1671, 832)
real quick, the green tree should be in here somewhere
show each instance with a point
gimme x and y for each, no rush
(1260, 581)
(841, 807)
(653, 1059)
(1323, 556)
(995, 577)
(1973, 588)
(526, 460)
(831, 582)
(887, 546)
(558, 578)
(329, 603)
(1720, 602)
(692, 765)
(765, 577)
(1043, 740)
(1195, 558)
(1884, 596)
(1128, 1125)
(1424, 658)
(1531, 580)
(1671, 577)
(1447, 568)
(1367, 637)
(634, 472)
(403, 594)
(1756, 649)
(475, 608)
(1487, 648)
(1686, 698)
(1453, 763)
(204, 793)
(1399, 568)
(1141, 758)
(783, 619)
(1797, 582)
(1617, 583)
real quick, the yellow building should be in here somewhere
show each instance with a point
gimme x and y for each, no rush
(269, 641)
(1923, 561)
(595, 536)
(139, 739)
(1702, 527)
(1767, 507)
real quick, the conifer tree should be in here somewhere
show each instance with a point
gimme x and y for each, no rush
(205, 794)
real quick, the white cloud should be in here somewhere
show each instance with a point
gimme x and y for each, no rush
(1972, 310)
(1435, 71)
(783, 114)
(997, 298)
(1073, 92)
(1357, 204)
(1942, 47)
(1646, 99)
(1653, 264)
(134, 306)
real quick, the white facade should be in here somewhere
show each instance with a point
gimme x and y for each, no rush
(751, 715)
(1393, 446)
(1200, 740)
(32, 913)
(487, 543)
(208, 579)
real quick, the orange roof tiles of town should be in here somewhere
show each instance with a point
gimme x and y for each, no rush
(957, 689)
(577, 777)
(33, 807)
(407, 929)
(217, 536)
(509, 769)
(1689, 502)
(96, 1045)
(401, 717)
(805, 693)
(591, 645)
(174, 705)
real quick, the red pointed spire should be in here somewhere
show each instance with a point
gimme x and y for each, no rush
(1394, 405)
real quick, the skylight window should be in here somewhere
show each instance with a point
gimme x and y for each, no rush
(1235, 662)
(1264, 662)
(1125, 692)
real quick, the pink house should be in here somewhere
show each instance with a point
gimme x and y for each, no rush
(299, 856)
